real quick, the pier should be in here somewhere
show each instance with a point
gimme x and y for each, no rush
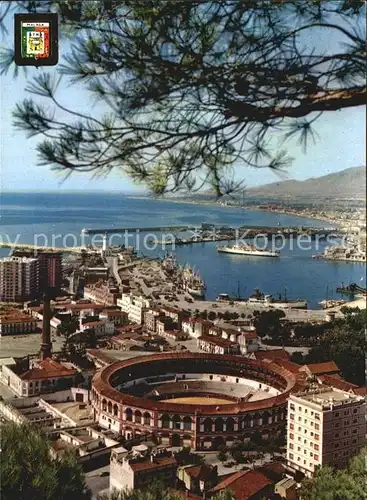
(36, 248)
(219, 229)
(245, 233)
(113, 230)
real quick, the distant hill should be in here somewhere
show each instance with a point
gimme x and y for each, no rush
(347, 184)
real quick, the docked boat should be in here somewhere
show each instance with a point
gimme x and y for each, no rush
(326, 304)
(223, 297)
(193, 284)
(169, 263)
(250, 250)
(258, 298)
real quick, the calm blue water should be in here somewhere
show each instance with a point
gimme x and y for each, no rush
(57, 215)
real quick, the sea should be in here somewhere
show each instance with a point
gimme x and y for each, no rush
(56, 219)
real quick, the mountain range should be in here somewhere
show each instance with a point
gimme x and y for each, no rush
(347, 184)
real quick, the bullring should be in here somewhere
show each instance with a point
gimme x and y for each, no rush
(192, 399)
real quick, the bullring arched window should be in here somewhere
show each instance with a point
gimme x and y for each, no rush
(176, 422)
(246, 422)
(109, 407)
(208, 423)
(129, 414)
(104, 405)
(165, 421)
(230, 424)
(219, 424)
(138, 417)
(146, 418)
(187, 422)
(115, 410)
(266, 416)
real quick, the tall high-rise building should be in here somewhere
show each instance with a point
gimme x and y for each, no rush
(50, 269)
(326, 426)
(19, 279)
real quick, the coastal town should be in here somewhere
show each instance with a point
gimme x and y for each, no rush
(183, 241)
(69, 320)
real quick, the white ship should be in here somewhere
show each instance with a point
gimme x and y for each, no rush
(248, 250)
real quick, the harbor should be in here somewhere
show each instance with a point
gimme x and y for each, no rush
(295, 269)
(203, 235)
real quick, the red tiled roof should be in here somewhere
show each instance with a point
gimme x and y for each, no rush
(244, 484)
(159, 463)
(272, 354)
(274, 471)
(361, 391)
(93, 323)
(202, 472)
(48, 368)
(250, 335)
(114, 312)
(129, 328)
(288, 365)
(321, 368)
(7, 319)
(338, 383)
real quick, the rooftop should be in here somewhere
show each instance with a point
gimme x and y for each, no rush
(321, 368)
(338, 383)
(158, 463)
(244, 484)
(273, 354)
(327, 397)
(48, 368)
(202, 472)
(218, 341)
(93, 323)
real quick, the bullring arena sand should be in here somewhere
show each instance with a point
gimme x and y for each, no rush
(198, 401)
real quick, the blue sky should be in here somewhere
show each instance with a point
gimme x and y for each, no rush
(341, 144)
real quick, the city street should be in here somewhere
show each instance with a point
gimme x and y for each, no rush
(96, 482)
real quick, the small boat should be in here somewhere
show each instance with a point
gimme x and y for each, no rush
(198, 292)
(326, 304)
(223, 297)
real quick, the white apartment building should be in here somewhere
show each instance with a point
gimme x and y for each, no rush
(326, 426)
(19, 279)
(134, 307)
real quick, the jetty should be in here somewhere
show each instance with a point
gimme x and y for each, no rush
(115, 230)
(36, 248)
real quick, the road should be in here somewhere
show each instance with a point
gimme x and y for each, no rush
(243, 307)
(5, 392)
(96, 482)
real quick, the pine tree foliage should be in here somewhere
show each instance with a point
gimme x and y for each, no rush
(186, 92)
(28, 471)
